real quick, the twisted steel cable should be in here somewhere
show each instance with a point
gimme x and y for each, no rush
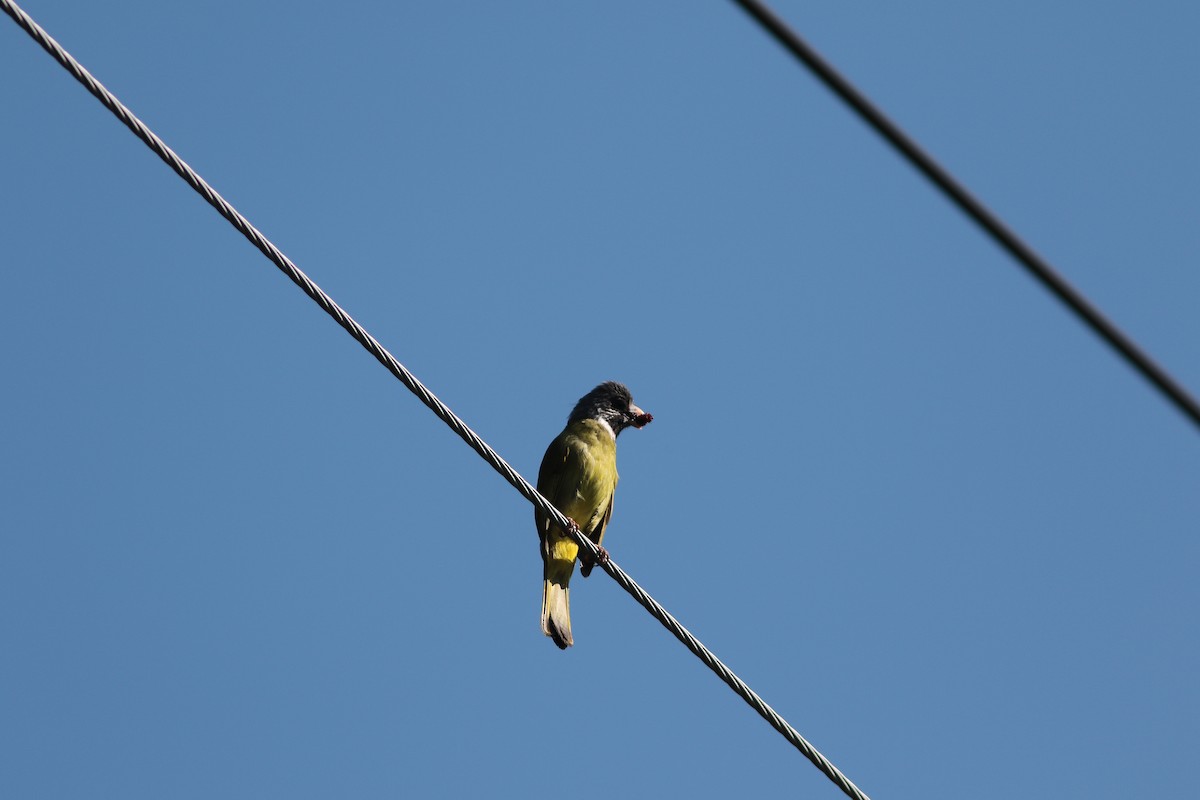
(427, 397)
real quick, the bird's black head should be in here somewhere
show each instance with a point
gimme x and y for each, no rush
(611, 403)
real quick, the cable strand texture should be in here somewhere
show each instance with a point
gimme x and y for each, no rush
(427, 397)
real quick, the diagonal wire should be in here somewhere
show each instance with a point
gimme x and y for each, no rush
(1033, 263)
(416, 387)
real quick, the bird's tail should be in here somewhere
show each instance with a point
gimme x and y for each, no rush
(556, 613)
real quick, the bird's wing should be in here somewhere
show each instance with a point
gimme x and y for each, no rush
(558, 479)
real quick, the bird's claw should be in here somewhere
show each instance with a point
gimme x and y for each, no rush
(602, 556)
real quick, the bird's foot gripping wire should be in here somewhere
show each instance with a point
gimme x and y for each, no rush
(602, 556)
(573, 528)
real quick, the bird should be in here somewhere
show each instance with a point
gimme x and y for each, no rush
(579, 476)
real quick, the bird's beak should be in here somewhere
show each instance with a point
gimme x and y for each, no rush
(640, 418)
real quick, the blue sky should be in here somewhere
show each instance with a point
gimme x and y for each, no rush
(917, 506)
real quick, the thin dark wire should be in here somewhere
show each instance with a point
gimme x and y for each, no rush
(1006, 238)
(428, 398)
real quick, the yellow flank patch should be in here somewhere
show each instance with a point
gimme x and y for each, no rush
(564, 549)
